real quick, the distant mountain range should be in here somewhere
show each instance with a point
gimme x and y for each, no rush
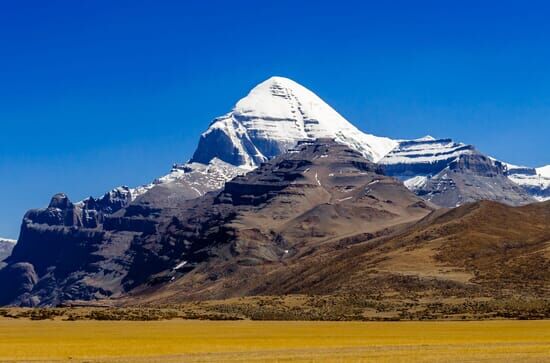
(6, 246)
(280, 184)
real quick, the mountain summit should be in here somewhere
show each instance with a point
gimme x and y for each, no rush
(272, 118)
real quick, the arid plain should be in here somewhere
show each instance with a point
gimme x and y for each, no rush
(269, 341)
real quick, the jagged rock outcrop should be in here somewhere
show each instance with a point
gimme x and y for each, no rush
(60, 246)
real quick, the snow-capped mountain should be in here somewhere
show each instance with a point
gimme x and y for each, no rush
(278, 113)
(450, 174)
(272, 118)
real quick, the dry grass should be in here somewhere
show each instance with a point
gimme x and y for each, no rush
(177, 340)
(346, 307)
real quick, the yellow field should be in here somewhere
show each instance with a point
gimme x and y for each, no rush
(177, 340)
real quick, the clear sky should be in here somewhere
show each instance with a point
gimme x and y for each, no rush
(95, 94)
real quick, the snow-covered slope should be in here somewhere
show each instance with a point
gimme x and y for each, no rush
(544, 171)
(197, 179)
(536, 181)
(272, 118)
(422, 157)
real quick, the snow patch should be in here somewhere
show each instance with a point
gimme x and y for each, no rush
(180, 265)
(317, 179)
(416, 182)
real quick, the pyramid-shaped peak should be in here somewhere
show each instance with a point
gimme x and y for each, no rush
(281, 83)
(282, 98)
(272, 118)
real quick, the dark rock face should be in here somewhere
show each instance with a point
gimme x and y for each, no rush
(537, 191)
(59, 247)
(17, 281)
(85, 251)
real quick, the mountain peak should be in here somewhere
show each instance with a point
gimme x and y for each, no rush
(280, 80)
(272, 118)
(281, 99)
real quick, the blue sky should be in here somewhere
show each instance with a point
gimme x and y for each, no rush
(95, 94)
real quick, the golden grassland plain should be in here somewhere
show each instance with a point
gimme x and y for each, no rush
(270, 341)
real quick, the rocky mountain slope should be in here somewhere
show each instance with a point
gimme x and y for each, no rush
(292, 207)
(193, 179)
(320, 193)
(451, 174)
(482, 250)
(479, 250)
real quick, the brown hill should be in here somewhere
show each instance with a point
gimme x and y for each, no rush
(480, 250)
